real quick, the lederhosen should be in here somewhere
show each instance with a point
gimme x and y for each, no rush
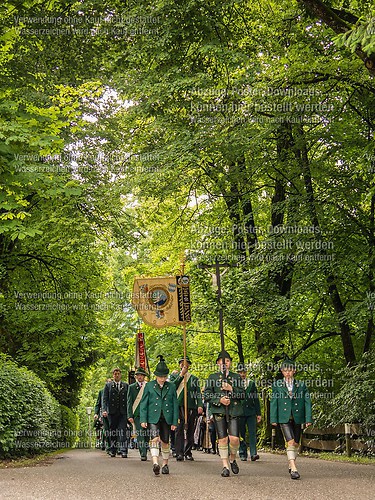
(291, 430)
(161, 429)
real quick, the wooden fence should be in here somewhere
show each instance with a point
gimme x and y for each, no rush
(341, 438)
(346, 437)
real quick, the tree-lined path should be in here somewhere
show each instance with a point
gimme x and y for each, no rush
(86, 474)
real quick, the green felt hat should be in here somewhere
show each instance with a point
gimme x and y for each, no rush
(161, 369)
(183, 359)
(222, 355)
(288, 363)
(141, 371)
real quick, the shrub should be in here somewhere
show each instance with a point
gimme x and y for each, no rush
(31, 419)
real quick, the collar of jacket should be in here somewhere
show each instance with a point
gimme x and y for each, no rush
(158, 389)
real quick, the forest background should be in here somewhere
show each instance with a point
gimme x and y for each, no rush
(135, 132)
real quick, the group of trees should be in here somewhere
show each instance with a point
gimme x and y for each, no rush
(133, 132)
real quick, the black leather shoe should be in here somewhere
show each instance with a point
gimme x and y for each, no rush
(112, 455)
(156, 469)
(234, 467)
(294, 474)
(124, 455)
(254, 457)
(143, 459)
(180, 458)
(165, 469)
(189, 457)
(243, 459)
(225, 472)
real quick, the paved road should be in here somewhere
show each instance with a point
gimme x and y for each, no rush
(91, 474)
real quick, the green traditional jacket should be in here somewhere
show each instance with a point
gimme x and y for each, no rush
(251, 404)
(133, 392)
(156, 401)
(213, 393)
(283, 406)
(194, 394)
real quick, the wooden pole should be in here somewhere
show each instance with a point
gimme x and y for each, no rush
(185, 362)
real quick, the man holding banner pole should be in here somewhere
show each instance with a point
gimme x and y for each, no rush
(135, 393)
(190, 405)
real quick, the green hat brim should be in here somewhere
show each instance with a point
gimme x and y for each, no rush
(141, 371)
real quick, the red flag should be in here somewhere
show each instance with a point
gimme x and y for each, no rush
(141, 360)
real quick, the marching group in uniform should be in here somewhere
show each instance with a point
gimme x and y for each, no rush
(156, 412)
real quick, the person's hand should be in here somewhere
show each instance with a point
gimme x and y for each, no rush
(173, 427)
(259, 419)
(200, 410)
(96, 416)
(131, 420)
(105, 414)
(274, 424)
(307, 424)
(225, 401)
(144, 425)
(226, 387)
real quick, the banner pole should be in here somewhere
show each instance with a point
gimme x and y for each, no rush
(185, 362)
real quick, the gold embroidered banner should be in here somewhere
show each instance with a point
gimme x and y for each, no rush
(162, 301)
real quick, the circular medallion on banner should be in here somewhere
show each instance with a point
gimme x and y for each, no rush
(159, 297)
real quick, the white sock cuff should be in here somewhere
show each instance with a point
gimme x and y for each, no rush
(223, 451)
(291, 453)
(154, 451)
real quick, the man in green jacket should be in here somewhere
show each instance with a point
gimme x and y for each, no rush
(251, 416)
(224, 393)
(194, 405)
(135, 393)
(290, 408)
(159, 414)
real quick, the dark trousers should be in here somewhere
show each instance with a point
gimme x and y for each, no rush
(118, 432)
(212, 431)
(180, 446)
(142, 437)
(106, 441)
(251, 423)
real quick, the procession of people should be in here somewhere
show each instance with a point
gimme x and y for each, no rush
(221, 416)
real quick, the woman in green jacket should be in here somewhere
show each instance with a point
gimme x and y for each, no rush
(290, 408)
(159, 414)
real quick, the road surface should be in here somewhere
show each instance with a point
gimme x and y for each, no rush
(91, 474)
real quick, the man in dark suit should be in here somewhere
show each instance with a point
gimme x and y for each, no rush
(194, 405)
(115, 408)
(251, 416)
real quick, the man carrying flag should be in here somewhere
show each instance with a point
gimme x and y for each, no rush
(135, 393)
(194, 406)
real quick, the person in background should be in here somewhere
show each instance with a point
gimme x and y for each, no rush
(251, 416)
(184, 446)
(115, 408)
(103, 421)
(135, 393)
(290, 408)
